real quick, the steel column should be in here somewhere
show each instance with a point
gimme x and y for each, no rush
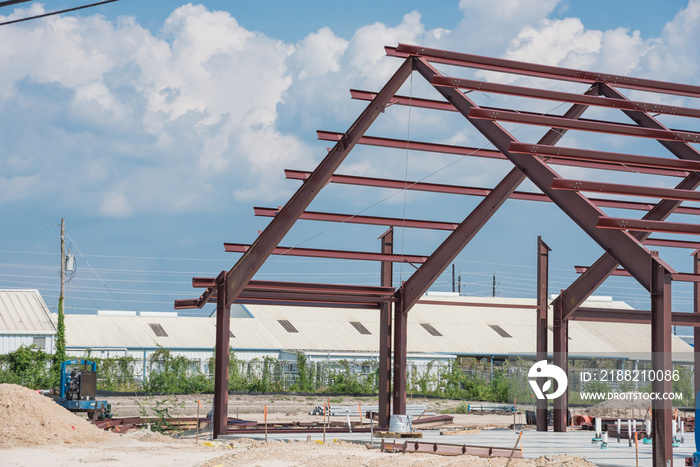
(696, 330)
(400, 354)
(542, 302)
(385, 335)
(248, 264)
(661, 410)
(561, 359)
(223, 321)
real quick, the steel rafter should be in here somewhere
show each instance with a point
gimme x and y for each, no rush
(475, 191)
(597, 126)
(643, 225)
(366, 220)
(557, 152)
(558, 96)
(630, 190)
(541, 71)
(337, 254)
(608, 315)
(491, 154)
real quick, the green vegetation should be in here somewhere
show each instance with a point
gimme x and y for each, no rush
(463, 379)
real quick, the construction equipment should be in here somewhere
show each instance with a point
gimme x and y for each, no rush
(78, 389)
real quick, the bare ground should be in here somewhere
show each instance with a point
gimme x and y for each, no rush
(39, 432)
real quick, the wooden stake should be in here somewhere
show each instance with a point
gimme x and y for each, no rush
(325, 411)
(513, 451)
(266, 423)
(196, 436)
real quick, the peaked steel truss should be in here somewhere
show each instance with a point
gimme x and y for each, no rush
(624, 241)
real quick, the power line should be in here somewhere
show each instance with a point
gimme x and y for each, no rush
(53, 12)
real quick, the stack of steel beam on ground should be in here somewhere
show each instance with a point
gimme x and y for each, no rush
(338, 410)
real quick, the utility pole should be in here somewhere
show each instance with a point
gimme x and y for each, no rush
(60, 354)
(453, 277)
(493, 292)
(63, 263)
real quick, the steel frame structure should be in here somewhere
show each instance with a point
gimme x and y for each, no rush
(624, 241)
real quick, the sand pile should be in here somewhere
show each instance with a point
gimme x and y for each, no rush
(29, 419)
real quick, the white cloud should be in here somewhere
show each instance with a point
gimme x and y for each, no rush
(109, 117)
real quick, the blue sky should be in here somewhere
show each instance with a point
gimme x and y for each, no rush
(155, 127)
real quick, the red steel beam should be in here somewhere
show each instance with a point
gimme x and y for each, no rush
(608, 315)
(631, 190)
(311, 297)
(490, 154)
(626, 250)
(309, 303)
(248, 264)
(560, 331)
(676, 276)
(671, 243)
(414, 145)
(596, 126)
(336, 254)
(542, 330)
(475, 191)
(221, 360)
(542, 71)
(325, 288)
(642, 225)
(616, 272)
(558, 96)
(600, 156)
(696, 313)
(478, 304)
(385, 334)
(304, 287)
(405, 100)
(661, 360)
(367, 220)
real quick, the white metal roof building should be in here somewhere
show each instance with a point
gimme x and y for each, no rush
(25, 320)
(442, 328)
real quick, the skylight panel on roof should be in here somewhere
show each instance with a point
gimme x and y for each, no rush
(289, 327)
(501, 332)
(360, 328)
(158, 330)
(428, 327)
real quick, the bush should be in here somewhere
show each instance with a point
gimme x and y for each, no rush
(29, 367)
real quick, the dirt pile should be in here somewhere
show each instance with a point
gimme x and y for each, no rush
(29, 419)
